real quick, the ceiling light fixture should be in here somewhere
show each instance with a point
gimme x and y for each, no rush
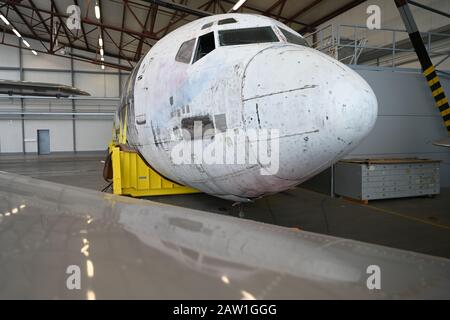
(97, 10)
(25, 42)
(238, 5)
(17, 33)
(4, 19)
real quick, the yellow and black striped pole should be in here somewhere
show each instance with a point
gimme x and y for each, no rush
(425, 61)
(439, 95)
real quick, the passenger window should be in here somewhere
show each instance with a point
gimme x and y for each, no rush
(293, 38)
(205, 45)
(184, 55)
(227, 21)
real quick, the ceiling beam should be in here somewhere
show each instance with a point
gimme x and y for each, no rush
(35, 9)
(153, 19)
(137, 56)
(280, 10)
(82, 28)
(332, 15)
(66, 30)
(171, 23)
(303, 11)
(30, 36)
(68, 56)
(180, 7)
(260, 11)
(124, 12)
(83, 20)
(31, 29)
(276, 4)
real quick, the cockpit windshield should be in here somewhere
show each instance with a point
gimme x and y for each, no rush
(247, 36)
(294, 38)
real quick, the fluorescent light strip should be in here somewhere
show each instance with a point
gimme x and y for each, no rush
(25, 42)
(102, 52)
(4, 19)
(17, 33)
(238, 5)
(100, 42)
(97, 10)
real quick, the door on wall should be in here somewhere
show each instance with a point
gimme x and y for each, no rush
(43, 141)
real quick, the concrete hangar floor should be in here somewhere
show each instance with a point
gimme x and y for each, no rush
(415, 224)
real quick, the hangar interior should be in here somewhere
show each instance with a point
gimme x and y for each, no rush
(74, 132)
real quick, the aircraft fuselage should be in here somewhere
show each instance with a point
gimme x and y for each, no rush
(239, 107)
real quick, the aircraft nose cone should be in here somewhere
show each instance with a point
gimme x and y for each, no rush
(321, 108)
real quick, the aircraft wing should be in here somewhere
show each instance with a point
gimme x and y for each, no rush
(118, 247)
(28, 88)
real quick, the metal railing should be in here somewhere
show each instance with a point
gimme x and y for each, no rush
(324, 39)
(387, 47)
(53, 108)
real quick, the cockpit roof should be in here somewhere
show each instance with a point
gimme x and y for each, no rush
(243, 20)
(197, 27)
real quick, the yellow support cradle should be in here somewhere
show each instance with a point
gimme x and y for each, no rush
(133, 177)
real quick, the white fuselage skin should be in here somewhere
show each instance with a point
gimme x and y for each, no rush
(321, 108)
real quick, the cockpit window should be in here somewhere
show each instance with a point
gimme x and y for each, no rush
(247, 36)
(227, 21)
(293, 38)
(208, 25)
(184, 55)
(206, 44)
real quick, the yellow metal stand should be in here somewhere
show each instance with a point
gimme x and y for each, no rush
(133, 177)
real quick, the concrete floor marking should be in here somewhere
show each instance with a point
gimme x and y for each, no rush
(408, 217)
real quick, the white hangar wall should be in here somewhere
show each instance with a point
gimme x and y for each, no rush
(408, 122)
(67, 133)
(408, 119)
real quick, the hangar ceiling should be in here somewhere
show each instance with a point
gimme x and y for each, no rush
(130, 27)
